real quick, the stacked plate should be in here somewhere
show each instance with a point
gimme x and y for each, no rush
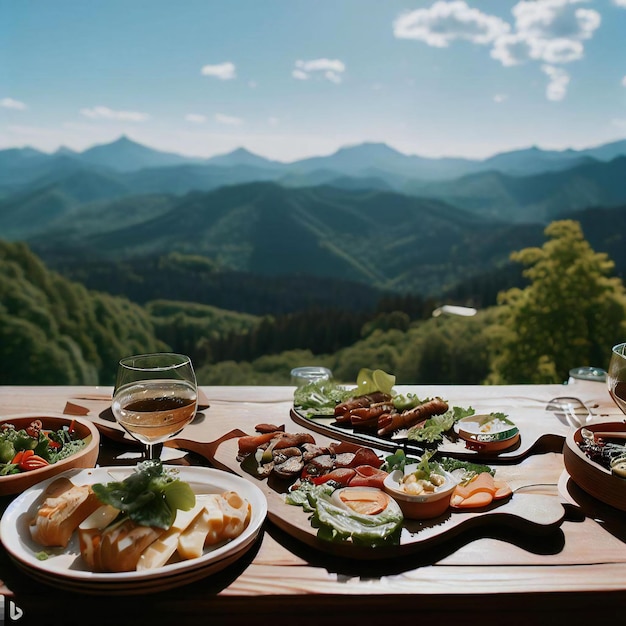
(65, 568)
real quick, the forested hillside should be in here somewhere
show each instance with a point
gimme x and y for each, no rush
(55, 331)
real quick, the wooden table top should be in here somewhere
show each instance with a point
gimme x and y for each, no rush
(575, 574)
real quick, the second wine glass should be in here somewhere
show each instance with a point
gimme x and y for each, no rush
(155, 396)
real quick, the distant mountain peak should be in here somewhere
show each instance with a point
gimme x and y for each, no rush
(372, 147)
(65, 151)
(124, 154)
(241, 156)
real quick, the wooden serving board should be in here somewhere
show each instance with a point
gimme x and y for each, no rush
(536, 435)
(523, 512)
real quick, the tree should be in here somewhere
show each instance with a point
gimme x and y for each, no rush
(570, 314)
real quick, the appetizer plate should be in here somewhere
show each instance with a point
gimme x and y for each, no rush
(533, 514)
(66, 569)
(590, 476)
(84, 458)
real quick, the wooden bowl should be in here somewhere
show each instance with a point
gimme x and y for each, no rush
(590, 476)
(84, 458)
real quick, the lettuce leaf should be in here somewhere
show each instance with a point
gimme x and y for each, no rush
(335, 523)
(436, 425)
(149, 496)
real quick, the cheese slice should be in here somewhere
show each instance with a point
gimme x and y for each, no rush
(236, 511)
(159, 553)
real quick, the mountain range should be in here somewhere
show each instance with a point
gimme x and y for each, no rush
(367, 213)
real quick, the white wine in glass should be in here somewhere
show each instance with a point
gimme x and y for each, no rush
(616, 376)
(155, 396)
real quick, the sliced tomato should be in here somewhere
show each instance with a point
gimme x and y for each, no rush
(34, 461)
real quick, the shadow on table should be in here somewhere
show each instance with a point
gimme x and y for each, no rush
(548, 543)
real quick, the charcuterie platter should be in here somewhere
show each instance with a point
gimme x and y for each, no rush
(526, 513)
(373, 414)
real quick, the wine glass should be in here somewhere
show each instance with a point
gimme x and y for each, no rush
(155, 396)
(616, 376)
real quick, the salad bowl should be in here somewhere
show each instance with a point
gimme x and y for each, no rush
(85, 457)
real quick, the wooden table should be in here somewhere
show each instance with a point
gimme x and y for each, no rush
(575, 575)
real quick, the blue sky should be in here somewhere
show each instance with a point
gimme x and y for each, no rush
(289, 79)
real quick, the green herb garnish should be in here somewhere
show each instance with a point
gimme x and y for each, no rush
(435, 426)
(149, 496)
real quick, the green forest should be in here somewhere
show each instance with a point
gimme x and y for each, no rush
(569, 311)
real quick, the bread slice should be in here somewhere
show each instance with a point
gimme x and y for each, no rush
(65, 506)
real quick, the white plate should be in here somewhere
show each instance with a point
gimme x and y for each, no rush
(68, 565)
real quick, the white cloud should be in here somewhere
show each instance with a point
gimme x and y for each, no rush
(511, 49)
(444, 22)
(620, 3)
(10, 103)
(556, 50)
(104, 113)
(195, 118)
(332, 65)
(620, 123)
(624, 81)
(228, 120)
(550, 32)
(499, 98)
(223, 71)
(559, 79)
(330, 69)
(273, 121)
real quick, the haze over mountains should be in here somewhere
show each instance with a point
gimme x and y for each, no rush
(367, 213)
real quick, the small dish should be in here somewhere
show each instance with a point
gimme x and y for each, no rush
(425, 505)
(84, 458)
(488, 432)
(590, 476)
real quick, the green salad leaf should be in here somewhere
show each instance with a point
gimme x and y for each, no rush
(334, 523)
(464, 471)
(320, 397)
(403, 402)
(338, 524)
(149, 496)
(435, 426)
(306, 495)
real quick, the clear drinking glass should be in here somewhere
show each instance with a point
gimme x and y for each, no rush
(616, 376)
(301, 376)
(155, 396)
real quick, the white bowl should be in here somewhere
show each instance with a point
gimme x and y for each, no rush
(484, 433)
(426, 505)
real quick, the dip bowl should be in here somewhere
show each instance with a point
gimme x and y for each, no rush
(426, 505)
